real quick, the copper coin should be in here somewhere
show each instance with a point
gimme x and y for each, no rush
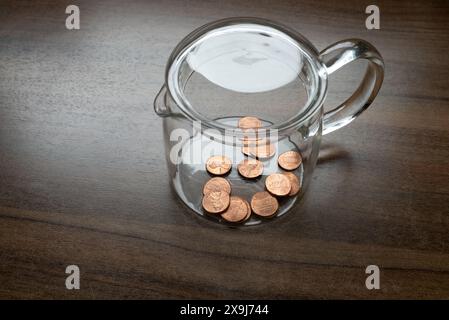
(237, 210)
(217, 184)
(253, 134)
(264, 204)
(218, 165)
(216, 201)
(249, 123)
(278, 184)
(250, 147)
(248, 215)
(294, 182)
(250, 168)
(252, 140)
(290, 160)
(262, 150)
(245, 150)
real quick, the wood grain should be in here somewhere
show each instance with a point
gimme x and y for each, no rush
(83, 179)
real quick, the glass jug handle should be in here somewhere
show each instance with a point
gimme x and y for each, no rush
(338, 55)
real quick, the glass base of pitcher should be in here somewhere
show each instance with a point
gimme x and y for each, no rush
(190, 178)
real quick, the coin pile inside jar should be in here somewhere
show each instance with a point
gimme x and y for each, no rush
(217, 197)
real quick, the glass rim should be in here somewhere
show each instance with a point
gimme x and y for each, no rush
(309, 51)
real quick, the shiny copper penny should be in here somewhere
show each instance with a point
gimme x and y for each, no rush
(216, 201)
(218, 165)
(264, 204)
(278, 184)
(294, 182)
(253, 139)
(217, 184)
(250, 168)
(245, 150)
(248, 215)
(253, 147)
(249, 123)
(251, 127)
(237, 210)
(290, 160)
(262, 150)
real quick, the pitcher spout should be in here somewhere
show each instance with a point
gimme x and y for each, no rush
(160, 105)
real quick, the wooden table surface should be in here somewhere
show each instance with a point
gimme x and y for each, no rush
(83, 178)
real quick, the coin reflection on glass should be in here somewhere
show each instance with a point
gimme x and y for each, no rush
(290, 160)
(237, 210)
(294, 182)
(216, 201)
(218, 165)
(278, 184)
(264, 204)
(249, 123)
(217, 184)
(250, 168)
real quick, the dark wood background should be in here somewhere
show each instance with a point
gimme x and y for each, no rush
(83, 179)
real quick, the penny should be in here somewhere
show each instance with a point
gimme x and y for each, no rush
(252, 140)
(237, 210)
(294, 182)
(249, 123)
(278, 184)
(250, 168)
(245, 150)
(253, 132)
(262, 150)
(217, 184)
(290, 160)
(218, 165)
(257, 147)
(248, 215)
(264, 204)
(216, 201)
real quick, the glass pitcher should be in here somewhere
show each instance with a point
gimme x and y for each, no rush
(251, 67)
